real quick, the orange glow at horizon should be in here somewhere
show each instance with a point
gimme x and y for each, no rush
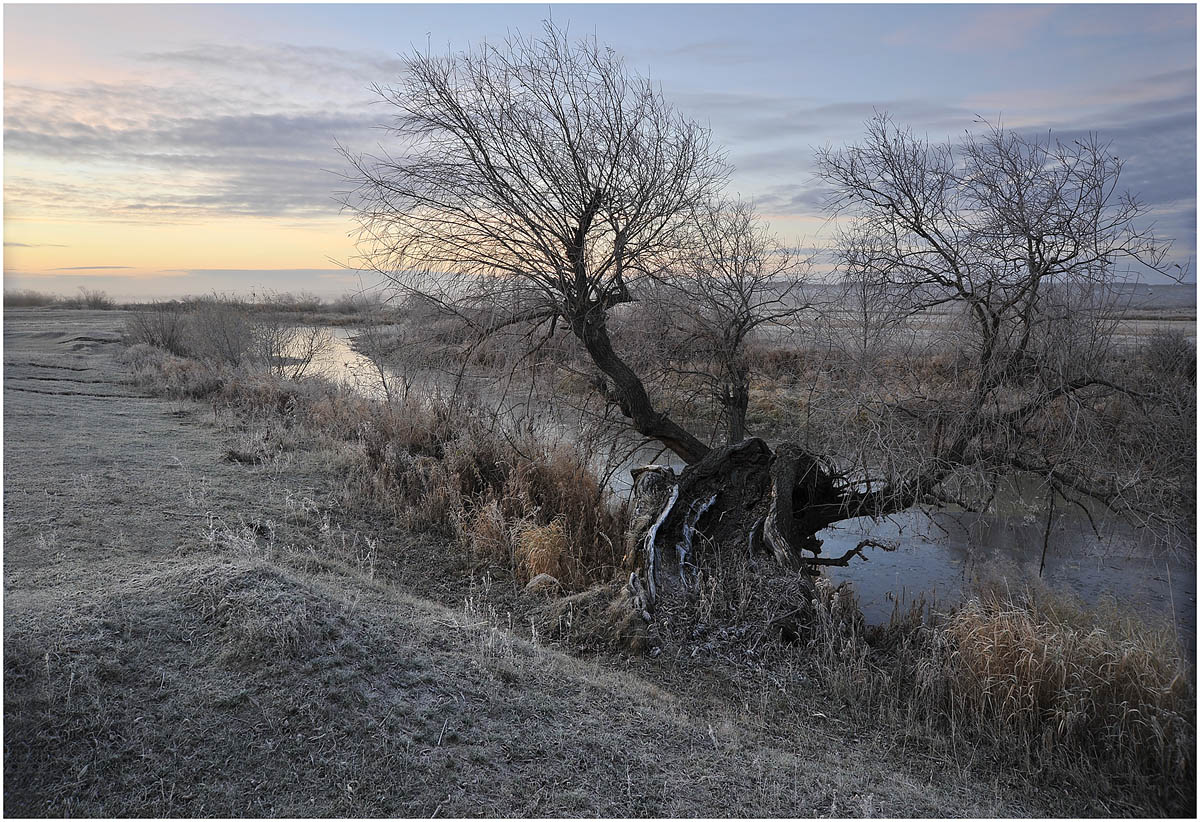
(138, 250)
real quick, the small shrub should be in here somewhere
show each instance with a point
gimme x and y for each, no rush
(287, 350)
(219, 330)
(96, 299)
(488, 534)
(160, 324)
(1171, 354)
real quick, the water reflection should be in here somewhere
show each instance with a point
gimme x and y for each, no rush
(939, 555)
(340, 362)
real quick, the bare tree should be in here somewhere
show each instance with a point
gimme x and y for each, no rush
(286, 349)
(731, 279)
(1025, 242)
(537, 180)
(380, 348)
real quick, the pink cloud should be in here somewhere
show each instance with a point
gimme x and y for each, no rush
(998, 28)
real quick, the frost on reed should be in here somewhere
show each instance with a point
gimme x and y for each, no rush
(1043, 682)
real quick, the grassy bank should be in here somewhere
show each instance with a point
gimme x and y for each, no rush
(433, 466)
(1095, 710)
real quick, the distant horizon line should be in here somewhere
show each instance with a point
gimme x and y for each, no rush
(326, 295)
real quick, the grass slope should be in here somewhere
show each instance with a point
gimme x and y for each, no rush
(189, 636)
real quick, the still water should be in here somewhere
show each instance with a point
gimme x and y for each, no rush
(939, 555)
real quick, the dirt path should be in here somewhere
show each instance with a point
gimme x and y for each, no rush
(95, 472)
(188, 636)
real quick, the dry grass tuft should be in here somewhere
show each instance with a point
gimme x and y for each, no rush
(607, 617)
(172, 376)
(261, 616)
(543, 549)
(1072, 694)
(1031, 669)
(452, 470)
(488, 534)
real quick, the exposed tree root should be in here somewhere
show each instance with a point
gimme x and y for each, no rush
(742, 498)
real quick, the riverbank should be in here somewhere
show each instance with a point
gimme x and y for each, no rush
(939, 555)
(191, 632)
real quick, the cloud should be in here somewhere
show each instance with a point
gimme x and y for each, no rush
(1152, 131)
(10, 244)
(975, 30)
(1150, 122)
(802, 199)
(250, 130)
(1155, 140)
(92, 267)
(715, 51)
(1120, 22)
(998, 28)
(751, 118)
(221, 130)
(254, 164)
(317, 69)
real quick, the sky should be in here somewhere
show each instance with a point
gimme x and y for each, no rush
(165, 150)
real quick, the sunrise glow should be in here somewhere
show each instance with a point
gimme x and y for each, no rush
(188, 140)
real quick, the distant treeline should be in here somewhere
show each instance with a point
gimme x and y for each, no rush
(302, 302)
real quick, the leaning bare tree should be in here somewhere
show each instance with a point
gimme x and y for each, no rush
(1026, 242)
(539, 182)
(536, 181)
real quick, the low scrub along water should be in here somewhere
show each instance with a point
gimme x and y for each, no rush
(939, 555)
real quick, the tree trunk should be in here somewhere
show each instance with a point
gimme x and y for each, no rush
(628, 393)
(736, 400)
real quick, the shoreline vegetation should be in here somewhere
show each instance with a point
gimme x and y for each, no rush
(1026, 681)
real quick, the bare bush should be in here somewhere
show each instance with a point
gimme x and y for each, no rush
(288, 350)
(160, 324)
(219, 329)
(96, 299)
(390, 351)
(1171, 356)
